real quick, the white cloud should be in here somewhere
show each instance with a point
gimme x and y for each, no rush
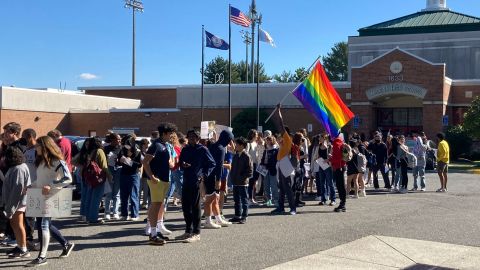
(88, 76)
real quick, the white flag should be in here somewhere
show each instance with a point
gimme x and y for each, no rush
(265, 37)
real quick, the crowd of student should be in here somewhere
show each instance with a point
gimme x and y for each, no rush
(129, 174)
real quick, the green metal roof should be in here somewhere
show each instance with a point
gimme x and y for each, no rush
(424, 22)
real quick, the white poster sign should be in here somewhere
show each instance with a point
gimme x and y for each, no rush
(207, 129)
(56, 204)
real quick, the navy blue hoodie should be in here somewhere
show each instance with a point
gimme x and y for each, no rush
(218, 153)
(201, 161)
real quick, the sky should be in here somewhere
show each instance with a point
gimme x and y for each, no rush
(89, 42)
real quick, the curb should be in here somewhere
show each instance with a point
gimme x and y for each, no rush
(469, 171)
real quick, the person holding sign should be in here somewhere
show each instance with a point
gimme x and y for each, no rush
(14, 198)
(52, 173)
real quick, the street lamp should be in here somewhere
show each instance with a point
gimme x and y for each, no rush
(135, 5)
(247, 40)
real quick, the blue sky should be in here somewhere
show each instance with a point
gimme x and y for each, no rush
(45, 42)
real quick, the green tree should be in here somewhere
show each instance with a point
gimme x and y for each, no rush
(218, 67)
(285, 77)
(240, 68)
(300, 74)
(459, 142)
(336, 62)
(471, 122)
(247, 119)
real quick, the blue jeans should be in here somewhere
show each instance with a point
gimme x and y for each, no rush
(112, 199)
(92, 201)
(177, 178)
(129, 188)
(270, 185)
(325, 185)
(419, 170)
(45, 229)
(83, 196)
(240, 197)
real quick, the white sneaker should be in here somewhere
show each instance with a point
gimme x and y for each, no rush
(148, 229)
(363, 193)
(423, 189)
(107, 217)
(134, 219)
(116, 217)
(211, 225)
(162, 229)
(223, 223)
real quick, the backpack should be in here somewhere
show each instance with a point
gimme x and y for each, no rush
(411, 160)
(67, 178)
(346, 152)
(361, 162)
(371, 159)
(93, 175)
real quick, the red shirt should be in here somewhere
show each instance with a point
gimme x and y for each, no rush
(337, 158)
(66, 148)
(178, 150)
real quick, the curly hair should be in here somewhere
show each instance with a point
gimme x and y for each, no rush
(166, 128)
(14, 156)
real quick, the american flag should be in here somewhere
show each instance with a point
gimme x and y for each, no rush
(237, 17)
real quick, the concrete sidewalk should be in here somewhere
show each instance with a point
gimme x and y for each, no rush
(382, 252)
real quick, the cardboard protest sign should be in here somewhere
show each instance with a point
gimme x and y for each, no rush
(56, 204)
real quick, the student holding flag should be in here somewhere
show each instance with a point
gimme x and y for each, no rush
(285, 169)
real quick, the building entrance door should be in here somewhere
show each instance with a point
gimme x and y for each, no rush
(400, 120)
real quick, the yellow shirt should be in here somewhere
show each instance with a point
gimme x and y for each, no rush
(286, 146)
(443, 153)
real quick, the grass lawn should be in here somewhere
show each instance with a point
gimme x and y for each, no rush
(464, 165)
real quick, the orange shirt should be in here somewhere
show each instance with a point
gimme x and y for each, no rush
(286, 146)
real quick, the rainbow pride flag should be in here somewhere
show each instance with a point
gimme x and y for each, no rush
(319, 97)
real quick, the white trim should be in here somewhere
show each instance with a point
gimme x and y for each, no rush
(146, 110)
(435, 103)
(413, 42)
(397, 48)
(459, 104)
(447, 80)
(470, 82)
(361, 103)
(87, 111)
(421, 48)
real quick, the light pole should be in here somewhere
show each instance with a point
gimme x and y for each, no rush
(135, 5)
(253, 17)
(247, 40)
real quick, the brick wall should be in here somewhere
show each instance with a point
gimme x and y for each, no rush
(42, 122)
(151, 98)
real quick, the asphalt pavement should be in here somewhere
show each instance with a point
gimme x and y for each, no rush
(266, 241)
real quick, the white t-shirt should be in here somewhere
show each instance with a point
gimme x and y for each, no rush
(252, 151)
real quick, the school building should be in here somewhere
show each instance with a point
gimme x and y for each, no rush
(417, 72)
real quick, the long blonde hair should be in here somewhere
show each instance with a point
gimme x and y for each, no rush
(50, 152)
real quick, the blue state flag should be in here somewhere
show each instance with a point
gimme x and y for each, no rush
(216, 42)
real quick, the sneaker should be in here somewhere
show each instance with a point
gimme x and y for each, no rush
(116, 217)
(211, 225)
(162, 229)
(362, 193)
(156, 241)
(243, 220)
(134, 219)
(445, 190)
(269, 203)
(223, 223)
(234, 220)
(413, 189)
(322, 203)
(83, 219)
(37, 261)
(440, 190)
(148, 230)
(340, 209)
(423, 189)
(107, 217)
(183, 236)
(124, 218)
(192, 239)
(332, 203)
(277, 212)
(292, 212)
(67, 250)
(17, 253)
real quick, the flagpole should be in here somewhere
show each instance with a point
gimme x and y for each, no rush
(258, 75)
(291, 92)
(203, 67)
(229, 67)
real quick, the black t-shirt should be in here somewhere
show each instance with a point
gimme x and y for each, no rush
(160, 162)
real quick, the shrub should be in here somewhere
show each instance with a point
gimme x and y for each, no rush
(459, 142)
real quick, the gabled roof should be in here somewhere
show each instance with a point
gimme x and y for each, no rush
(403, 51)
(424, 22)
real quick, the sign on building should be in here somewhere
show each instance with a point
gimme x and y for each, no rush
(445, 121)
